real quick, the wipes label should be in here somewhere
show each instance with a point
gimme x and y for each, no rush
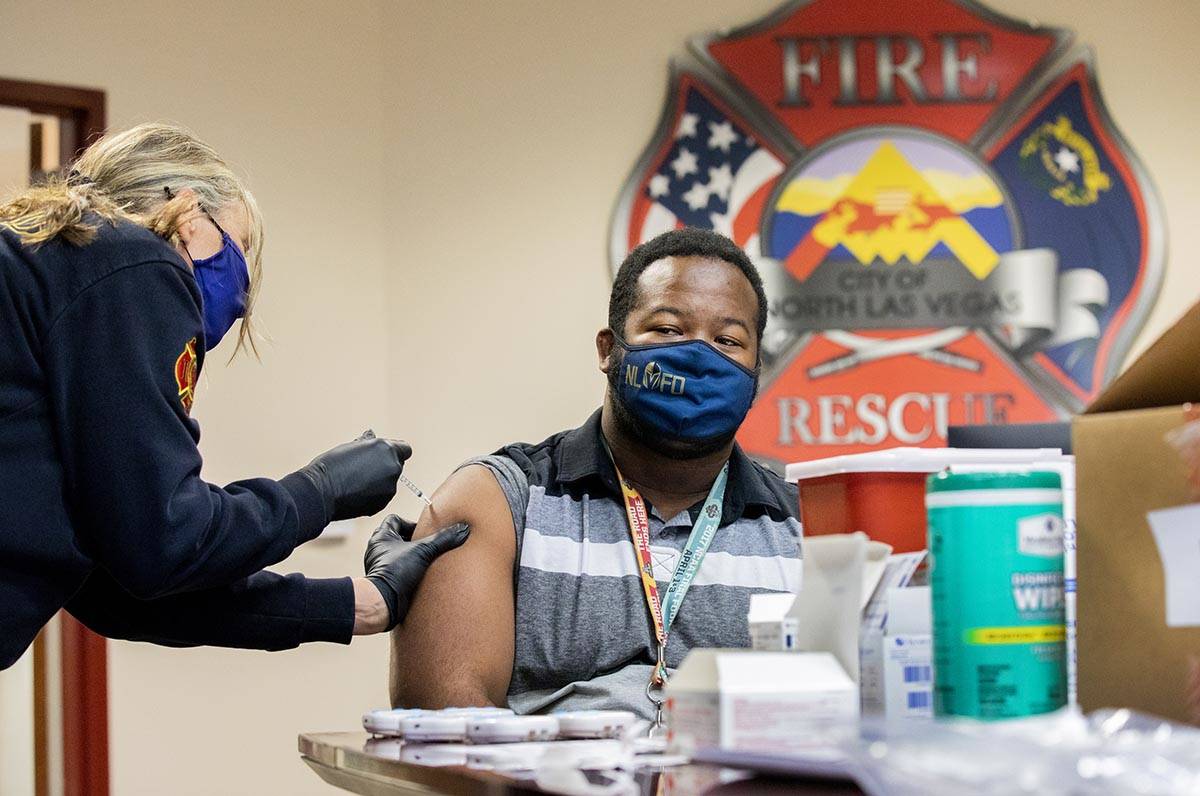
(1041, 535)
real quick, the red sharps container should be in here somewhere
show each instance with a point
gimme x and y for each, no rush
(882, 493)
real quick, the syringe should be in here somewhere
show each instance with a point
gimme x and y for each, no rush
(415, 490)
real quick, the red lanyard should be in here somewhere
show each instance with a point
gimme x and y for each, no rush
(639, 529)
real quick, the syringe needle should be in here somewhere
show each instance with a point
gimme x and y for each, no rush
(415, 490)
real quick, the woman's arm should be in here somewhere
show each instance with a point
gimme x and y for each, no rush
(117, 370)
(265, 611)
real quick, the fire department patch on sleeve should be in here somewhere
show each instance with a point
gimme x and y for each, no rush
(185, 375)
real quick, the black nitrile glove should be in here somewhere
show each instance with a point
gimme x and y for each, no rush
(357, 479)
(396, 565)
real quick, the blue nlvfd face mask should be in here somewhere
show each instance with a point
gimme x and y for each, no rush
(688, 391)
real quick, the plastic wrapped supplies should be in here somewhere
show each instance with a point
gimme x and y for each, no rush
(1113, 751)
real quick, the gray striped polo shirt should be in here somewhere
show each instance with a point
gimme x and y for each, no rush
(583, 633)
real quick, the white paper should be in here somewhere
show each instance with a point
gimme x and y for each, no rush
(828, 610)
(897, 573)
(1177, 534)
(874, 564)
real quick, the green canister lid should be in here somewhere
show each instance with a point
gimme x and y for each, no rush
(946, 481)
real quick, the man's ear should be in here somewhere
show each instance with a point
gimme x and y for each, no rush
(605, 340)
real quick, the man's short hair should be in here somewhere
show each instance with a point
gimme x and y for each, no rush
(686, 242)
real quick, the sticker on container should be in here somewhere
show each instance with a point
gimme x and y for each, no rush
(1040, 536)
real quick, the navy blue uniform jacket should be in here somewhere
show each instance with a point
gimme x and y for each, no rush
(102, 508)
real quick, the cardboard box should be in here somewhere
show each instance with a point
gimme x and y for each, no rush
(847, 599)
(772, 628)
(1128, 656)
(761, 701)
(908, 654)
(898, 572)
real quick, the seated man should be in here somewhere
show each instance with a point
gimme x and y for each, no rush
(544, 606)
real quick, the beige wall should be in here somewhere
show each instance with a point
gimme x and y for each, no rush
(438, 179)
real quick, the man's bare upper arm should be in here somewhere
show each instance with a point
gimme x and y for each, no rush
(456, 644)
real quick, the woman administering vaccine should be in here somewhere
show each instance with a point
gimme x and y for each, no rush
(115, 282)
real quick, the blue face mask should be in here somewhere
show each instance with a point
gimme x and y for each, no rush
(223, 280)
(687, 391)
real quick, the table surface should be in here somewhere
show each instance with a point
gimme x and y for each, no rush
(343, 759)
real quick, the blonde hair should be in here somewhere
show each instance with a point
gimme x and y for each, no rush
(122, 177)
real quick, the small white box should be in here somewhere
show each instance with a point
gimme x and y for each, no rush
(908, 655)
(870, 671)
(898, 571)
(908, 677)
(772, 629)
(761, 701)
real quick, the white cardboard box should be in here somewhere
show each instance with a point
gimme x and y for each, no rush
(764, 701)
(908, 655)
(771, 627)
(898, 571)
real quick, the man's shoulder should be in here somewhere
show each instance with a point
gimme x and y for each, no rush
(521, 466)
(773, 480)
(540, 461)
(767, 486)
(535, 459)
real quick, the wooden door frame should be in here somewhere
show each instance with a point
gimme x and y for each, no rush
(86, 106)
(84, 654)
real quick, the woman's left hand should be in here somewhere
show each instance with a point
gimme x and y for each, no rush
(396, 565)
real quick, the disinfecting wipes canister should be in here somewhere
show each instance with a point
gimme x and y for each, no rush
(996, 558)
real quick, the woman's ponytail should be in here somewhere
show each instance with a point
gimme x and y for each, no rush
(58, 208)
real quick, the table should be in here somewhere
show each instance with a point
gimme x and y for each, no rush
(342, 759)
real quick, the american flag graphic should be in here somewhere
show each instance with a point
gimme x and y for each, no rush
(715, 176)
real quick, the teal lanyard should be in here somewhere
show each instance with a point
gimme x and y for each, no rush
(663, 614)
(694, 551)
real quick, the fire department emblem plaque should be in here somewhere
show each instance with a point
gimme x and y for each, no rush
(949, 226)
